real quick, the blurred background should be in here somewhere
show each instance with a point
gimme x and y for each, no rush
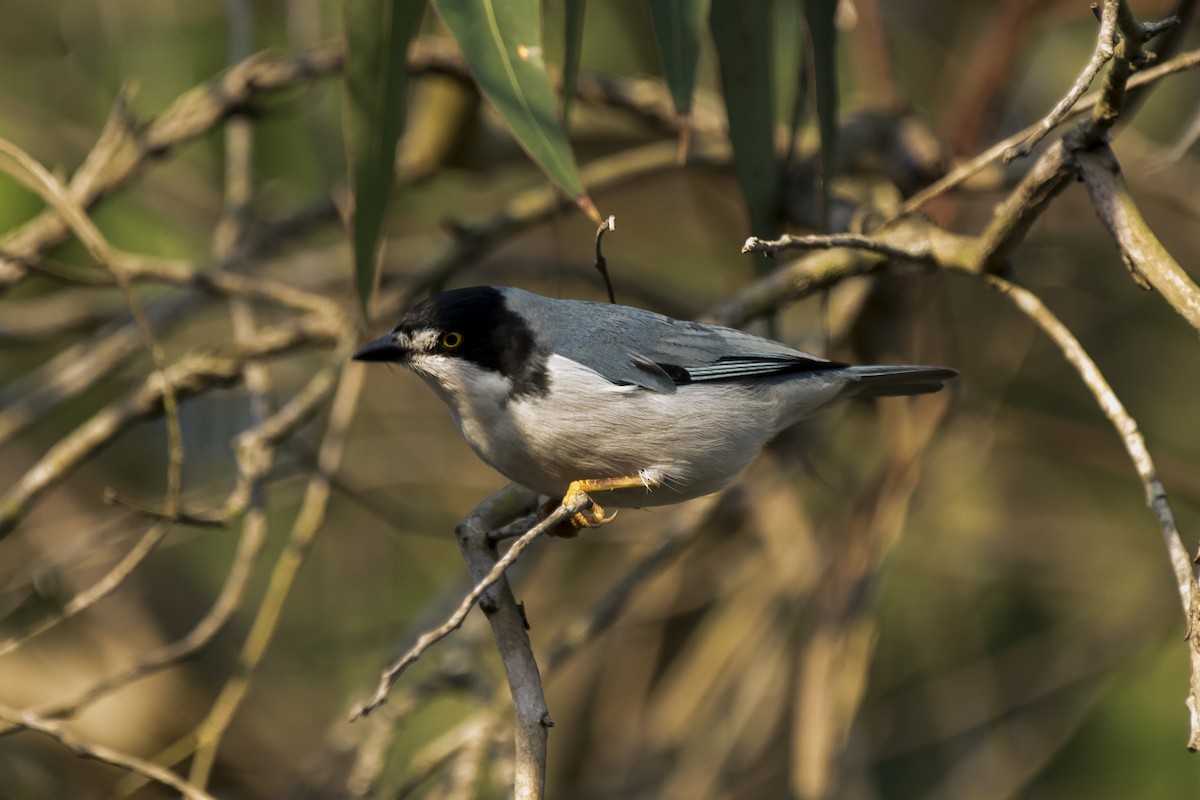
(957, 596)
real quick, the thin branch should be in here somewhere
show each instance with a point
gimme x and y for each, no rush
(911, 240)
(495, 573)
(509, 627)
(308, 523)
(125, 145)
(1014, 216)
(848, 241)
(1130, 55)
(190, 376)
(27, 170)
(1135, 446)
(968, 169)
(97, 752)
(1106, 41)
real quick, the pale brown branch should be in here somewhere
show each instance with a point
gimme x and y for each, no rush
(968, 169)
(1015, 215)
(137, 766)
(1148, 261)
(190, 376)
(1106, 40)
(845, 255)
(1139, 455)
(125, 146)
(307, 525)
(476, 524)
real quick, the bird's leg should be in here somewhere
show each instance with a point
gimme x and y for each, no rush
(593, 515)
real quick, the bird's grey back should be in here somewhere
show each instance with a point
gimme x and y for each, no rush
(625, 344)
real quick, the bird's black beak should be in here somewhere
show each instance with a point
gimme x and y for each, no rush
(385, 348)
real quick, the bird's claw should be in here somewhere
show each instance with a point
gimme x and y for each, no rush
(591, 515)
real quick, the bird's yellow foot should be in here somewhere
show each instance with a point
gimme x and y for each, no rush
(565, 529)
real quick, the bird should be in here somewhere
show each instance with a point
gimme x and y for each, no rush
(570, 397)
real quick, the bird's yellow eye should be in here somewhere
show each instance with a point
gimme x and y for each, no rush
(451, 340)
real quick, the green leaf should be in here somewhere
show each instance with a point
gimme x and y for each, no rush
(742, 32)
(572, 47)
(822, 33)
(679, 26)
(376, 74)
(501, 41)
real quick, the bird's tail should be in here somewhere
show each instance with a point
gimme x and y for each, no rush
(891, 381)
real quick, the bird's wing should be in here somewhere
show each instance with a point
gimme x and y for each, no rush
(632, 346)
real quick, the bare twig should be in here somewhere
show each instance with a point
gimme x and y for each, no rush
(609, 224)
(97, 752)
(304, 531)
(125, 146)
(848, 241)
(911, 240)
(494, 574)
(968, 169)
(1106, 41)
(1135, 446)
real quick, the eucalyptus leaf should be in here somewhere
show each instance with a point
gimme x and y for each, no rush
(376, 76)
(678, 27)
(742, 32)
(822, 33)
(501, 41)
(572, 48)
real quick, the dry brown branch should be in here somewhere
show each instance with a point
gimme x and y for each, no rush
(102, 588)
(125, 146)
(308, 523)
(912, 240)
(190, 376)
(1148, 261)
(132, 764)
(1135, 446)
(495, 599)
(1015, 215)
(1106, 41)
(971, 167)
